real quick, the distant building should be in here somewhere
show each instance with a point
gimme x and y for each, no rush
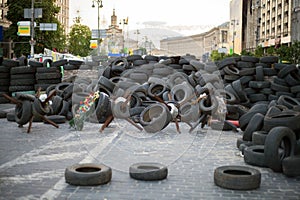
(199, 45)
(63, 15)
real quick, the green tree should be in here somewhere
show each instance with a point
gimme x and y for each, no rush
(44, 39)
(295, 52)
(215, 55)
(79, 40)
(259, 51)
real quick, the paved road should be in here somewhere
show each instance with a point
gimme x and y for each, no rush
(32, 165)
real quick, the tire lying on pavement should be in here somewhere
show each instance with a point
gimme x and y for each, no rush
(279, 138)
(290, 166)
(148, 171)
(88, 174)
(23, 112)
(237, 177)
(254, 155)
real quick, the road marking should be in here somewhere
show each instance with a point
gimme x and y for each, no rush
(55, 191)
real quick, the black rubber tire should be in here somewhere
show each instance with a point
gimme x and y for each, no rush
(287, 118)
(34, 63)
(38, 109)
(254, 155)
(59, 63)
(88, 174)
(58, 119)
(23, 70)
(47, 63)
(47, 70)
(259, 137)
(23, 113)
(255, 124)
(14, 88)
(273, 142)
(290, 166)
(50, 75)
(269, 59)
(10, 116)
(148, 171)
(22, 82)
(155, 117)
(237, 177)
(208, 105)
(245, 118)
(22, 76)
(10, 63)
(57, 103)
(288, 101)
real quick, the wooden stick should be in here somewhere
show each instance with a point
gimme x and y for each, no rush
(106, 123)
(13, 100)
(30, 124)
(177, 125)
(134, 124)
(48, 98)
(49, 121)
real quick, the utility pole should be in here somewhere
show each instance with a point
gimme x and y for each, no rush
(32, 30)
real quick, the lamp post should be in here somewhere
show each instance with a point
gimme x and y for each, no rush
(137, 32)
(124, 22)
(99, 4)
(234, 23)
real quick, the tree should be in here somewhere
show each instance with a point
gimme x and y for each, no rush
(259, 51)
(79, 40)
(44, 39)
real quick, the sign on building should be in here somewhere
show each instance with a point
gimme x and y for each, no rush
(95, 33)
(93, 44)
(48, 26)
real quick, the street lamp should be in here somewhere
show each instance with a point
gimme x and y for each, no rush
(234, 23)
(137, 32)
(125, 22)
(99, 3)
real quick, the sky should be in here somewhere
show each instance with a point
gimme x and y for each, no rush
(186, 17)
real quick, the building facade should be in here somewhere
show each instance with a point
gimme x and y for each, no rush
(199, 45)
(63, 15)
(5, 46)
(296, 21)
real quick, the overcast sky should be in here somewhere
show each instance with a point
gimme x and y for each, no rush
(166, 13)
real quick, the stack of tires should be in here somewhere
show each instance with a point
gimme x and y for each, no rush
(48, 73)
(22, 78)
(5, 79)
(271, 135)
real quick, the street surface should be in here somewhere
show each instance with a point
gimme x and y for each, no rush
(32, 165)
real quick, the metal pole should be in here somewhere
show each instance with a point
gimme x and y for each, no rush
(32, 30)
(99, 39)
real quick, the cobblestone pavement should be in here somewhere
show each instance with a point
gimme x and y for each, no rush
(32, 165)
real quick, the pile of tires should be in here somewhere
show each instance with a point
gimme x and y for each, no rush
(5, 80)
(22, 78)
(271, 135)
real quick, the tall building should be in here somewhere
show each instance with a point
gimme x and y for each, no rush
(296, 21)
(276, 18)
(236, 26)
(63, 15)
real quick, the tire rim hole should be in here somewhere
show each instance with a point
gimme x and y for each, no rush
(88, 169)
(237, 172)
(148, 167)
